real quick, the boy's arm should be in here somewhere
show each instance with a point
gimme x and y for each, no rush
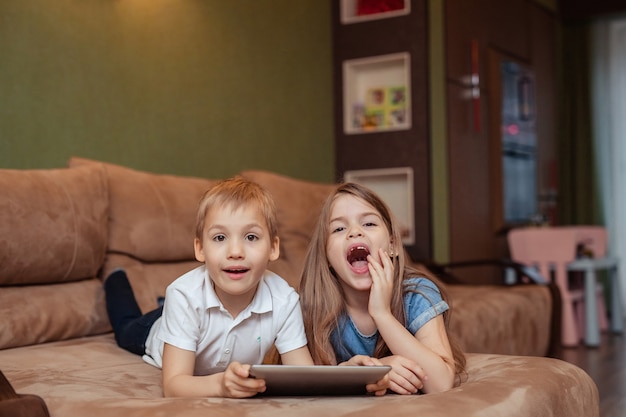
(300, 356)
(179, 380)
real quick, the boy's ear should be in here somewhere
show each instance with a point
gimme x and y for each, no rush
(275, 250)
(197, 246)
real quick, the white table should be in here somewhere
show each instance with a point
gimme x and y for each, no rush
(589, 266)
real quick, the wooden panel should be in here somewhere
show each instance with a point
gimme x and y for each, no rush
(524, 31)
(387, 149)
(543, 58)
(506, 26)
(492, 23)
(461, 29)
(471, 235)
(585, 9)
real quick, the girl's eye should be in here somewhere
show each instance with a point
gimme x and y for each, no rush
(219, 238)
(370, 224)
(338, 229)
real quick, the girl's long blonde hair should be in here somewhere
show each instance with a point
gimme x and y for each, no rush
(321, 294)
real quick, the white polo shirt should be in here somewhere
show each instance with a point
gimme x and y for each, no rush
(194, 319)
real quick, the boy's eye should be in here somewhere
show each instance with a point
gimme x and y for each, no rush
(252, 238)
(219, 238)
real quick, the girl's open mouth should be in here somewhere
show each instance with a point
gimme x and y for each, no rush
(357, 258)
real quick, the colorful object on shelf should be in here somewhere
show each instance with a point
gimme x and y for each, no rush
(365, 7)
(384, 107)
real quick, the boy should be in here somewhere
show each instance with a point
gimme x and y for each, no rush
(224, 315)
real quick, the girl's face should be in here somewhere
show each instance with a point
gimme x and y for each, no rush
(355, 231)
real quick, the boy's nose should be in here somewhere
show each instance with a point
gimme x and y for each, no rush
(235, 249)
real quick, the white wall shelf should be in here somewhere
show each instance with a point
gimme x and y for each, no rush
(377, 93)
(352, 12)
(395, 187)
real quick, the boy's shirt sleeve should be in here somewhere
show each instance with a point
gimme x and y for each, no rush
(180, 322)
(290, 334)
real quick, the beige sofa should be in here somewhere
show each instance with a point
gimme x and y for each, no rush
(62, 230)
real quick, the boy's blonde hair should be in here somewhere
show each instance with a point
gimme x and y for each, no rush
(234, 193)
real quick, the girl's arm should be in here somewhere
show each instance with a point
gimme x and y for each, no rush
(421, 355)
(179, 380)
(428, 352)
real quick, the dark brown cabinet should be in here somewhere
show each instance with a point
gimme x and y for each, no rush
(478, 35)
(377, 55)
(481, 35)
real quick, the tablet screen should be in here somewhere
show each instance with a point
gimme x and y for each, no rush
(318, 379)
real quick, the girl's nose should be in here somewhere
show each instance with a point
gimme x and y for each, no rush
(355, 232)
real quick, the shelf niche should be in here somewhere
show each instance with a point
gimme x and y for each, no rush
(355, 11)
(377, 93)
(395, 187)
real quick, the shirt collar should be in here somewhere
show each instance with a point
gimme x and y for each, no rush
(261, 303)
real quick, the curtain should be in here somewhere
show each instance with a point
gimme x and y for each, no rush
(578, 194)
(609, 130)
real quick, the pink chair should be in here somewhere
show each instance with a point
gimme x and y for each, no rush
(547, 248)
(554, 249)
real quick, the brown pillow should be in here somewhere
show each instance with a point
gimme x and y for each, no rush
(152, 216)
(33, 314)
(53, 224)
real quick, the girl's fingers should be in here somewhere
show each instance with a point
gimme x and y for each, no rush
(399, 389)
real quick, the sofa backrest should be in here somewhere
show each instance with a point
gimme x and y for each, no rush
(151, 226)
(53, 230)
(152, 220)
(72, 227)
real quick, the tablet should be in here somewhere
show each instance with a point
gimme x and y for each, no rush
(288, 380)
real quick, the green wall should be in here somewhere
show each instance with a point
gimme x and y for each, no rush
(440, 216)
(190, 87)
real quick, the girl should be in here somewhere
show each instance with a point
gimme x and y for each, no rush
(363, 304)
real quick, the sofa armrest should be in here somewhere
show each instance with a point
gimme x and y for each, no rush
(518, 273)
(13, 404)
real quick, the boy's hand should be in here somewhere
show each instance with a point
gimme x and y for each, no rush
(406, 376)
(236, 384)
(378, 388)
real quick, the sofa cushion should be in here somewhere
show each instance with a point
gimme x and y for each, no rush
(152, 216)
(519, 318)
(35, 314)
(94, 377)
(298, 203)
(53, 224)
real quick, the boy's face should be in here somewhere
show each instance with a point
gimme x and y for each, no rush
(236, 248)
